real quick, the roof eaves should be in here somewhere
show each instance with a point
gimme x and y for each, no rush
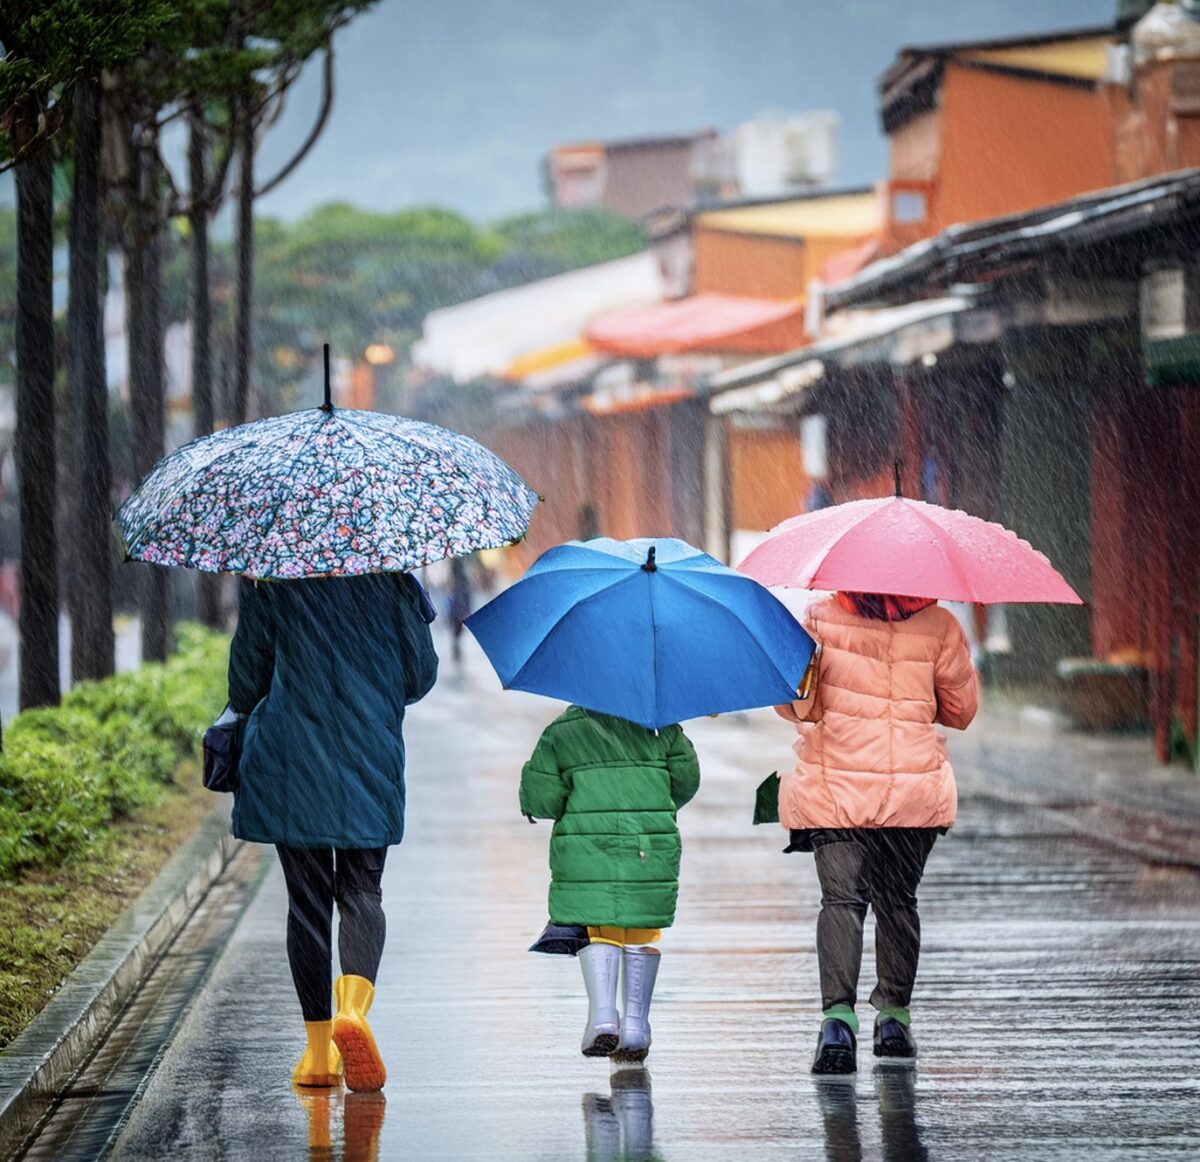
(890, 322)
(782, 199)
(913, 78)
(999, 44)
(1107, 213)
(1066, 80)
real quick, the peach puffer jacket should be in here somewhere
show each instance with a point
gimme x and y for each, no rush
(870, 752)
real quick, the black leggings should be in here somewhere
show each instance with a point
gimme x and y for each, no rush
(313, 883)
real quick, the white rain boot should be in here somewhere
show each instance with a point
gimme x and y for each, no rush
(641, 969)
(601, 964)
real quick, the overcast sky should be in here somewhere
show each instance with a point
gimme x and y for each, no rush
(454, 102)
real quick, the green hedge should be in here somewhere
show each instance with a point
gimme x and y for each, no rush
(110, 748)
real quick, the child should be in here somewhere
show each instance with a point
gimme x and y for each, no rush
(612, 787)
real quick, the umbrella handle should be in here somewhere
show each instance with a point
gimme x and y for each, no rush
(327, 406)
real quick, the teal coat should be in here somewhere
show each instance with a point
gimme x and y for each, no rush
(325, 667)
(612, 787)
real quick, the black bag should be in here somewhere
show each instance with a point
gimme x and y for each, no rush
(223, 752)
(561, 939)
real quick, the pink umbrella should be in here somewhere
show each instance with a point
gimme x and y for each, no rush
(906, 547)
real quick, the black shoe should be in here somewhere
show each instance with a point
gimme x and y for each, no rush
(893, 1038)
(836, 1048)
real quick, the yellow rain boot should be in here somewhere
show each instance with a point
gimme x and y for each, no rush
(352, 1035)
(321, 1064)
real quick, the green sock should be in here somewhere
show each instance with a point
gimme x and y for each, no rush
(845, 1014)
(900, 1015)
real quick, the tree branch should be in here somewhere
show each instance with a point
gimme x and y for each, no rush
(215, 193)
(315, 132)
(52, 122)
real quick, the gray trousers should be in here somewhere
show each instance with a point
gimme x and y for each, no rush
(881, 867)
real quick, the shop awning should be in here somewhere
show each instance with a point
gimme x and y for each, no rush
(898, 335)
(706, 322)
(487, 335)
(547, 358)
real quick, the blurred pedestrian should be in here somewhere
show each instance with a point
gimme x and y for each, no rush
(613, 788)
(461, 598)
(871, 791)
(324, 667)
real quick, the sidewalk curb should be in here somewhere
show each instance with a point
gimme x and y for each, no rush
(35, 1066)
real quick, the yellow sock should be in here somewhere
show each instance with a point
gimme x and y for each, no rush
(608, 934)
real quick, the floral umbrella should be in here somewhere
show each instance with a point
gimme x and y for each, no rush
(324, 492)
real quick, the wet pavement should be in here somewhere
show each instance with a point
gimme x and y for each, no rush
(1057, 1008)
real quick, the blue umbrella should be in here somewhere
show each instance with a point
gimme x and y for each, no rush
(652, 630)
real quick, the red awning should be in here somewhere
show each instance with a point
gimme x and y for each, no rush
(707, 322)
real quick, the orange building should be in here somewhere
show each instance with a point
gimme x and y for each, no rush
(996, 127)
(776, 249)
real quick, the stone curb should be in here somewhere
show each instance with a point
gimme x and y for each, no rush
(39, 1062)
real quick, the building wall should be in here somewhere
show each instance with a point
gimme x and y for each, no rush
(750, 264)
(1157, 126)
(915, 148)
(1012, 143)
(548, 457)
(1146, 545)
(1045, 489)
(768, 483)
(638, 179)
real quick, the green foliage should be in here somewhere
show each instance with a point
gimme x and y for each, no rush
(110, 748)
(351, 277)
(543, 244)
(50, 43)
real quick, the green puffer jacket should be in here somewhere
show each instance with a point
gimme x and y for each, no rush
(613, 788)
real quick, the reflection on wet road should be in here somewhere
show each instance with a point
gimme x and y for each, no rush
(1056, 1008)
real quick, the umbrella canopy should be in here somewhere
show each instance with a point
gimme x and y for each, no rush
(906, 547)
(651, 630)
(325, 491)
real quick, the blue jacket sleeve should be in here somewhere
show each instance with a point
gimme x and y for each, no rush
(252, 652)
(420, 656)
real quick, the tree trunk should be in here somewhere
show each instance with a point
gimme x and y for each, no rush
(143, 291)
(245, 268)
(35, 452)
(209, 586)
(89, 597)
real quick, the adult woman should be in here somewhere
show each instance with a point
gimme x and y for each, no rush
(325, 668)
(872, 790)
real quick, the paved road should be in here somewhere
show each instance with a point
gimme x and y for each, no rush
(1058, 1006)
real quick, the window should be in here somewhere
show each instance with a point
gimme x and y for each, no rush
(908, 206)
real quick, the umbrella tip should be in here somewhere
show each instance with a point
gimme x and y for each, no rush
(327, 406)
(896, 475)
(650, 566)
